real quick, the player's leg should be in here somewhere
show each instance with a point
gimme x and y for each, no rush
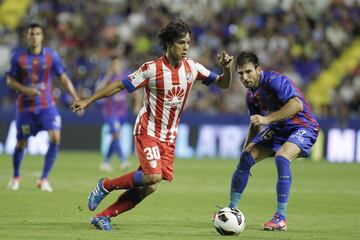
(284, 155)
(106, 185)
(49, 160)
(126, 201)
(252, 154)
(299, 142)
(131, 197)
(124, 163)
(50, 121)
(25, 126)
(105, 165)
(156, 160)
(114, 147)
(143, 176)
(17, 157)
(118, 150)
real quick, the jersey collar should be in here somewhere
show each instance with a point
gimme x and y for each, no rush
(167, 64)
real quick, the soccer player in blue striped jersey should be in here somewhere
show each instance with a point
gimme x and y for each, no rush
(281, 125)
(30, 76)
(115, 111)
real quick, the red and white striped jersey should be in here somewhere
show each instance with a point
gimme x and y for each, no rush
(166, 92)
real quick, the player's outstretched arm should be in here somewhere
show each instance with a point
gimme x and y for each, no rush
(107, 91)
(69, 87)
(226, 61)
(292, 107)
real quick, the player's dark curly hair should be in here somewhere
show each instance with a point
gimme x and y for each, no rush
(246, 57)
(171, 32)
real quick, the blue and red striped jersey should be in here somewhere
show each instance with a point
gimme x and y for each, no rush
(273, 92)
(35, 70)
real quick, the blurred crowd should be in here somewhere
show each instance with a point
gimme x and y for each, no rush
(299, 38)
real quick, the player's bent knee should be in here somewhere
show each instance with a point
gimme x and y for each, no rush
(152, 188)
(246, 161)
(54, 136)
(55, 140)
(21, 144)
(150, 179)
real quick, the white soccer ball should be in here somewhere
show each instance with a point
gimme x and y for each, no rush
(229, 221)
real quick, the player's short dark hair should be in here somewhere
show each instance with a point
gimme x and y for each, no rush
(247, 57)
(35, 25)
(171, 32)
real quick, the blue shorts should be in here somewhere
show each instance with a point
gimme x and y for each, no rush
(274, 138)
(115, 123)
(30, 123)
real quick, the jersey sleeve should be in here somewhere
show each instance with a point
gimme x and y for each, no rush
(14, 66)
(253, 108)
(284, 88)
(57, 66)
(137, 79)
(205, 75)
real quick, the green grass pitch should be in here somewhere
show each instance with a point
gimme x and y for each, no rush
(324, 201)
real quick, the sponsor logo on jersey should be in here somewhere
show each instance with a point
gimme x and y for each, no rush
(174, 97)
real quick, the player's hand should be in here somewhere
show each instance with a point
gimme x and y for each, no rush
(259, 120)
(80, 113)
(31, 91)
(79, 105)
(225, 59)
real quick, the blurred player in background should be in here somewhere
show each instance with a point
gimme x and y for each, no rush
(167, 82)
(30, 77)
(115, 110)
(281, 124)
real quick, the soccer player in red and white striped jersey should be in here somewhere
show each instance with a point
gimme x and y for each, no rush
(167, 82)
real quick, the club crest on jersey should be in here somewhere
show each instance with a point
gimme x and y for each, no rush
(188, 76)
(174, 96)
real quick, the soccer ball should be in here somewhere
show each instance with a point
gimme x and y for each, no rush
(229, 221)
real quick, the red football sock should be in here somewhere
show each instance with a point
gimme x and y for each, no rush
(123, 182)
(125, 202)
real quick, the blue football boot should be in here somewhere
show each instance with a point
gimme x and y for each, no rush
(101, 223)
(97, 195)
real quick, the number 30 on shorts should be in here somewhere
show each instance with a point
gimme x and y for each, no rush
(152, 153)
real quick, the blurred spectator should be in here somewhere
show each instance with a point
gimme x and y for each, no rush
(297, 37)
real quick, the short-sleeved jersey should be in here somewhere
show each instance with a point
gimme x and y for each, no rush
(117, 104)
(274, 91)
(34, 70)
(166, 92)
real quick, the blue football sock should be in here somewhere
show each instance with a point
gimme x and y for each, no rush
(50, 159)
(118, 150)
(240, 178)
(283, 184)
(281, 208)
(109, 152)
(234, 199)
(138, 179)
(18, 156)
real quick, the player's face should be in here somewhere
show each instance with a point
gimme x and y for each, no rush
(179, 49)
(249, 74)
(35, 37)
